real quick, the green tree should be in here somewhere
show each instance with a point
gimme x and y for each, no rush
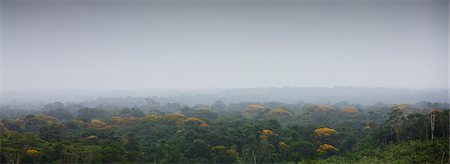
(301, 150)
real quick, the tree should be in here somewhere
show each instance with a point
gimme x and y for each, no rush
(254, 111)
(34, 123)
(326, 149)
(97, 124)
(87, 114)
(15, 145)
(222, 154)
(152, 103)
(325, 137)
(33, 153)
(301, 150)
(194, 121)
(280, 114)
(51, 132)
(350, 110)
(111, 152)
(397, 120)
(58, 110)
(132, 148)
(203, 113)
(219, 105)
(133, 112)
(325, 132)
(197, 151)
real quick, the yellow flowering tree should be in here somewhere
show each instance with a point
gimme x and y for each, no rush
(350, 110)
(91, 137)
(194, 121)
(279, 113)
(33, 153)
(326, 149)
(124, 120)
(265, 134)
(151, 117)
(79, 123)
(254, 107)
(326, 108)
(97, 124)
(325, 132)
(326, 137)
(283, 145)
(254, 110)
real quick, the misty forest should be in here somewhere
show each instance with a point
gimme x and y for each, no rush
(224, 81)
(266, 132)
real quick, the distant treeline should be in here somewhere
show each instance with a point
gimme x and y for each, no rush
(353, 95)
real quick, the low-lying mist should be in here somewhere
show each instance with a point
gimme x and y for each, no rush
(317, 95)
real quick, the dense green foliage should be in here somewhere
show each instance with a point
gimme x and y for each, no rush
(228, 133)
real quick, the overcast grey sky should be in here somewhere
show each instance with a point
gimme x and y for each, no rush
(51, 45)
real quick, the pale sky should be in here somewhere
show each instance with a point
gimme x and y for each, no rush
(80, 44)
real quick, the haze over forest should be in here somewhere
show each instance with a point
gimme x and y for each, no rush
(122, 45)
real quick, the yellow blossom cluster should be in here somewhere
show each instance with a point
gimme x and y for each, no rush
(91, 137)
(45, 118)
(325, 148)
(117, 120)
(123, 120)
(219, 147)
(265, 134)
(32, 152)
(79, 122)
(325, 132)
(279, 111)
(203, 125)
(174, 116)
(222, 149)
(351, 110)
(151, 117)
(326, 108)
(254, 107)
(172, 119)
(283, 145)
(232, 153)
(97, 123)
(194, 119)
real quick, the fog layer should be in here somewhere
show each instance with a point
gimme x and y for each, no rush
(51, 45)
